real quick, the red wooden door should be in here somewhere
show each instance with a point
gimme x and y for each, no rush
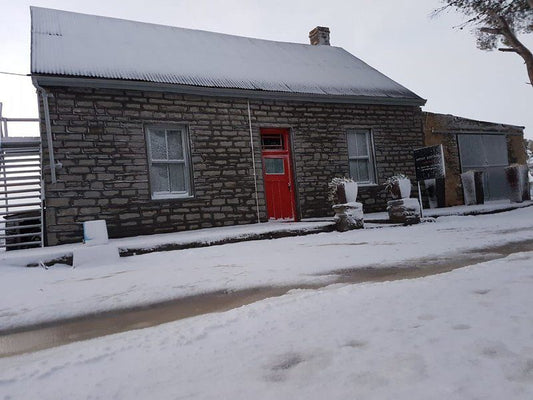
(279, 184)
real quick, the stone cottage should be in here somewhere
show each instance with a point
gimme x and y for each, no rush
(158, 129)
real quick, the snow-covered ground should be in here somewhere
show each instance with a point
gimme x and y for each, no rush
(467, 334)
(33, 295)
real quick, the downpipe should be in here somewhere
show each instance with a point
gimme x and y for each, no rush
(49, 139)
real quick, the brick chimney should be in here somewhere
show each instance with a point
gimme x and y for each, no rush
(319, 36)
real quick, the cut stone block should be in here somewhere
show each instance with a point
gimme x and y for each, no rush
(349, 216)
(404, 211)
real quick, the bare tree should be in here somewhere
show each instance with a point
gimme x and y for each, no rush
(497, 24)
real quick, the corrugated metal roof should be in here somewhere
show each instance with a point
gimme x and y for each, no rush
(72, 44)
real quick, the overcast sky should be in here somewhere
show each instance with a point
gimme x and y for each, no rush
(397, 37)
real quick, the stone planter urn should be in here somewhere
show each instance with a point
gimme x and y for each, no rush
(348, 216)
(348, 212)
(402, 209)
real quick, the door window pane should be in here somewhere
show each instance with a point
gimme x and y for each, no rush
(272, 142)
(274, 166)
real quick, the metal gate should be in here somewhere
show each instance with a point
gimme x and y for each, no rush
(20, 198)
(21, 189)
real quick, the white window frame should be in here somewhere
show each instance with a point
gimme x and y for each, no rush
(187, 170)
(369, 157)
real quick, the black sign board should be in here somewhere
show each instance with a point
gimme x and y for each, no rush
(429, 163)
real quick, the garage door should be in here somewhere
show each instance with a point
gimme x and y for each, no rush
(487, 153)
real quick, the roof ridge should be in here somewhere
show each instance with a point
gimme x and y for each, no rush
(177, 27)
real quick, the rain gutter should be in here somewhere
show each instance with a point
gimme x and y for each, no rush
(74, 81)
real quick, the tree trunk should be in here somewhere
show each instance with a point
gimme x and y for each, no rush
(518, 47)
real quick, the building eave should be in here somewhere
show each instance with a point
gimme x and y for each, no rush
(99, 83)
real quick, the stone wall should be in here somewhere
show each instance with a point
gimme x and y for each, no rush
(453, 186)
(99, 138)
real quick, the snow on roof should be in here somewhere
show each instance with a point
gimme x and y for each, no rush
(72, 44)
(455, 123)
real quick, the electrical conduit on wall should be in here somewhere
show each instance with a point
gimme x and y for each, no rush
(253, 160)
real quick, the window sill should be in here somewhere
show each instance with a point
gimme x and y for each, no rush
(367, 185)
(172, 197)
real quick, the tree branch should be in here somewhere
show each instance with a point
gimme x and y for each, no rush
(497, 20)
(517, 45)
(494, 31)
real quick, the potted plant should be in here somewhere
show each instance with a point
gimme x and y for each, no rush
(342, 190)
(348, 213)
(402, 209)
(399, 186)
